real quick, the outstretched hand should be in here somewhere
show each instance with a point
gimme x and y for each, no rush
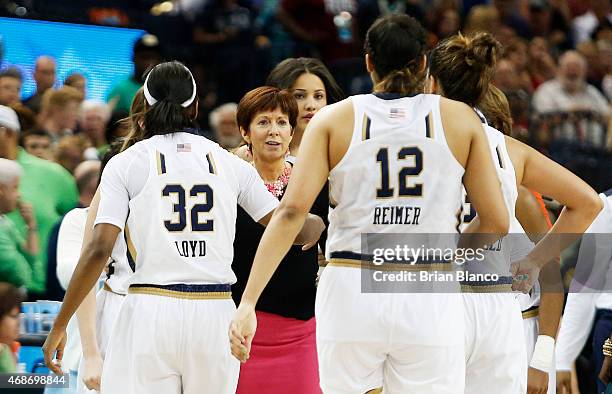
(54, 346)
(241, 332)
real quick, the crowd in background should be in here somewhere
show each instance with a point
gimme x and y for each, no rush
(556, 71)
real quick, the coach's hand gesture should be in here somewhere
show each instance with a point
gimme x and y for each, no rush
(54, 346)
(242, 331)
(311, 232)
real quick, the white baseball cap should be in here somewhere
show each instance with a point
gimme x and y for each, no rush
(9, 119)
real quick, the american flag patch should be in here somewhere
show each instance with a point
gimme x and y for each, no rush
(397, 113)
(183, 147)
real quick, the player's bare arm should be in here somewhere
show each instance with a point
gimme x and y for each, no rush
(88, 270)
(532, 219)
(86, 315)
(581, 203)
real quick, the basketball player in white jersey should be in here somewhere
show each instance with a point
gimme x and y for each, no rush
(541, 310)
(180, 191)
(98, 312)
(461, 68)
(399, 149)
(97, 316)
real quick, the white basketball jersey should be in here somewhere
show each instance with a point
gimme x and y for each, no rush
(181, 226)
(507, 179)
(398, 174)
(499, 256)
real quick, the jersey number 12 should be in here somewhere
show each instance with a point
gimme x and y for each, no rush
(385, 190)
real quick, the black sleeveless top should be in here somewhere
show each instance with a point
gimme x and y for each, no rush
(291, 290)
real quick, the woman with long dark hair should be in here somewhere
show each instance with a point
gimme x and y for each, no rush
(313, 87)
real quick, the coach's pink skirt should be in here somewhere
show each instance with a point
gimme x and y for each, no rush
(283, 357)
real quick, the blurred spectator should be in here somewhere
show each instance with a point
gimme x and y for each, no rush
(227, 35)
(447, 23)
(37, 143)
(542, 66)
(87, 175)
(595, 67)
(224, 126)
(10, 87)
(44, 75)
(516, 52)
(59, 112)
(19, 261)
(10, 306)
(328, 26)
(549, 21)
(511, 15)
(482, 18)
(506, 77)
(77, 81)
(599, 14)
(569, 91)
(27, 117)
(47, 186)
(70, 151)
(146, 55)
(606, 56)
(93, 118)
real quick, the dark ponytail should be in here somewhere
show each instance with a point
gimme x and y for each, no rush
(464, 66)
(169, 85)
(396, 45)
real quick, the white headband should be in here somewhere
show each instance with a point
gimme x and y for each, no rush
(152, 100)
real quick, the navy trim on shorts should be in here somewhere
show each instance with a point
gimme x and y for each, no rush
(185, 288)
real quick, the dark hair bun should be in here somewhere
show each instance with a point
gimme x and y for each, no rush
(481, 49)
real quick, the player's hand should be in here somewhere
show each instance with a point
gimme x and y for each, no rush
(311, 232)
(564, 382)
(54, 346)
(92, 374)
(605, 374)
(244, 153)
(242, 331)
(525, 274)
(537, 381)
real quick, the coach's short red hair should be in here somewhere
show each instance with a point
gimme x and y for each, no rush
(266, 98)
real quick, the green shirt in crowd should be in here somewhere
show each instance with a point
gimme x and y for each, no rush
(7, 361)
(17, 266)
(52, 192)
(124, 92)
